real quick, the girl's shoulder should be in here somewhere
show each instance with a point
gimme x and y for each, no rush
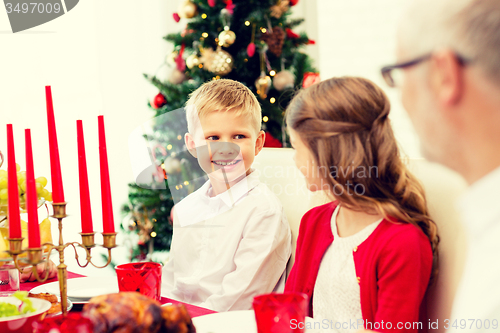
(399, 236)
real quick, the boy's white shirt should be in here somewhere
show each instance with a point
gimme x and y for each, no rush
(228, 248)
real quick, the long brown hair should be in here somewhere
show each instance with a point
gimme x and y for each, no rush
(344, 123)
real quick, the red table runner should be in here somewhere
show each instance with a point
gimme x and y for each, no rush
(194, 311)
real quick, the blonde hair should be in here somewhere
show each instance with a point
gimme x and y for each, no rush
(469, 27)
(343, 122)
(222, 95)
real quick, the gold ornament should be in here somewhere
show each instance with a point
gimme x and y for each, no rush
(192, 61)
(187, 9)
(218, 62)
(172, 165)
(170, 59)
(263, 84)
(176, 77)
(283, 80)
(226, 37)
(280, 8)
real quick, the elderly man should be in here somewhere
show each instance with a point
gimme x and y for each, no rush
(449, 75)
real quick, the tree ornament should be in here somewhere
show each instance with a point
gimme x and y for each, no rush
(159, 101)
(187, 9)
(263, 84)
(290, 34)
(220, 62)
(176, 16)
(251, 46)
(211, 3)
(310, 79)
(170, 59)
(226, 37)
(192, 61)
(283, 80)
(176, 77)
(132, 225)
(229, 6)
(172, 165)
(280, 8)
(274, 40)
(293, 2)
(225, 13)
(251, 49)
(179, 60)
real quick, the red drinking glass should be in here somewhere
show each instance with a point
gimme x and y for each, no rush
(281, 313)
(143, 277)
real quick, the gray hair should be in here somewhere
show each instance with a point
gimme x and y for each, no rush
(469, 27)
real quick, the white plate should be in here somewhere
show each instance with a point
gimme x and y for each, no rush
(41, 289)
(80, 290)
(228, 322)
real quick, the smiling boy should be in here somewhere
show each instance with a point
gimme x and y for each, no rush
(231, 239)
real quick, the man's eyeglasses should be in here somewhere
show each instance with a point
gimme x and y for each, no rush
(393, 74)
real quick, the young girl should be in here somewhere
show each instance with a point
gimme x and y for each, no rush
(365, 259)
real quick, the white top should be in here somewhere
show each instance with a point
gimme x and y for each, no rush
(239, 251)
(336, 295)
(478, 296)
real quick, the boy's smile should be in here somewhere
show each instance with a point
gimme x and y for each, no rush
(226, 148)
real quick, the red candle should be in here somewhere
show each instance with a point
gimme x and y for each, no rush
(55, 165)
(12, 188)
(31, 197)
(107, 206)
(84, 181)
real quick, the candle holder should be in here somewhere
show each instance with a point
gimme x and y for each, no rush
(35, 256)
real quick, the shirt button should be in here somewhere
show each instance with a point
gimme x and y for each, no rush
(355, 249)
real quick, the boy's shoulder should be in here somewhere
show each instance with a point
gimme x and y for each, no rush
(263, 198)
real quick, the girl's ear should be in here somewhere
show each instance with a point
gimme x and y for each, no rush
(259, 143)
(190, 144)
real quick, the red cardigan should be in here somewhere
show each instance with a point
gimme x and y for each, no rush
(393, 266)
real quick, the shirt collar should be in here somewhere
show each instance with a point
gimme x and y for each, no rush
(479, 204)
(237, 191)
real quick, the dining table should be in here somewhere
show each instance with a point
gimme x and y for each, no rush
(194, 311)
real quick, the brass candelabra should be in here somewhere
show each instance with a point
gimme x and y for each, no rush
(35, 256)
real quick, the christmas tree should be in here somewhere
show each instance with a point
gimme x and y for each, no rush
(250, 41)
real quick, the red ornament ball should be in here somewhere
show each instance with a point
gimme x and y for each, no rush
(293, 2)
(159, 101)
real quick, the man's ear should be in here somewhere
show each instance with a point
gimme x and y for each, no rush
(190, 144)
(259, 143)
(447, 78)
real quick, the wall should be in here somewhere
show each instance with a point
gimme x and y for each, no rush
(357, 38)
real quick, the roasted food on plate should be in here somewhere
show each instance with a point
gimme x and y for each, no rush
(131, 312)
(56, 305)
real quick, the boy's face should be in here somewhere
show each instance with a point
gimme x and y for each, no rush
(225, 144)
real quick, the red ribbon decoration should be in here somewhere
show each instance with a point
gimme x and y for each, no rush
(291, 34)
(230, 6)
(179, 60)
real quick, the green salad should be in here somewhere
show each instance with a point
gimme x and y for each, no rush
(26, 306)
